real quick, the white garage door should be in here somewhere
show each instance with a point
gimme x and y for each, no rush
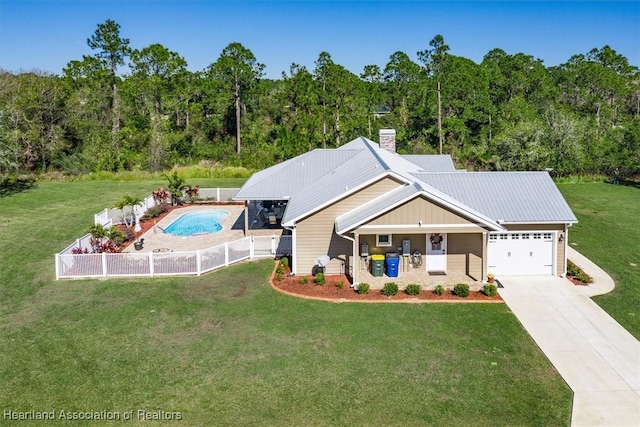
(518, 253)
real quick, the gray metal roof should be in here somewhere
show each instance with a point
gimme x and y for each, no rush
(431, 162)
(505, 196)
(345, 178)
(290, 177)
(319, 177)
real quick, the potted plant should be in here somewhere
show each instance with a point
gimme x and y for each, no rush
(491, 278)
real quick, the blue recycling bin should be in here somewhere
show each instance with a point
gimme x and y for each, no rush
(393, 262)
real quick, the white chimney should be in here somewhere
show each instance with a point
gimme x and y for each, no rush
(388, 139)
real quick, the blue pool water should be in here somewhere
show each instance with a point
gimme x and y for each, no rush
(201, 222)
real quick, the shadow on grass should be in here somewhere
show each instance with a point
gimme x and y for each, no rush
(16, 184)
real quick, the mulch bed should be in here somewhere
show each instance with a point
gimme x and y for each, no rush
(576, 281)
(329, 291)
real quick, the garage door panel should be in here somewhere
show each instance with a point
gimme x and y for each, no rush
(519, 253)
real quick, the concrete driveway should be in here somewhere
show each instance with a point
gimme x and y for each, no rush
(596, 356)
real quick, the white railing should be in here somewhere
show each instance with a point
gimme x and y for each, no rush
(131, 264)
(110, 216)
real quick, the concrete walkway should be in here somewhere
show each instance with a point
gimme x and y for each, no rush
(596, 356)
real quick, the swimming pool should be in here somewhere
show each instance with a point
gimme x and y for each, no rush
(194, 223)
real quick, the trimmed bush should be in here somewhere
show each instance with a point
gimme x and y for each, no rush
(303, 281)
(461, 290)
(320, 280)
(413, 289)
(438, 290)
(390, 289)
(363, 288)
(490, 290)
(284, 261)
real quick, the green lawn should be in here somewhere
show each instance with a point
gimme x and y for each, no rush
(225, 349)
(608, 233)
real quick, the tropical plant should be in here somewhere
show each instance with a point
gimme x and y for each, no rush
(126, 205)
(176, 186)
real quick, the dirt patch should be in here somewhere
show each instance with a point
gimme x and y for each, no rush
(331, 291)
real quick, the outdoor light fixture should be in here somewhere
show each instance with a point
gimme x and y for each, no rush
(561, 237)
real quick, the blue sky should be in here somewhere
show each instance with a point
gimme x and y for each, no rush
(46, 35)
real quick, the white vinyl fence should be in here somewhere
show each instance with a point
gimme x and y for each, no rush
(110, 216)
(129, 264)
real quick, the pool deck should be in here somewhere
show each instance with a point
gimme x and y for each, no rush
(232, 229)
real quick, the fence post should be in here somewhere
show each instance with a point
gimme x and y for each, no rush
(218, 194)
(104, 264)
(273, 244)
(226, 254)
(57, 266)
(151, 264)
(198, 261)
(252, 248)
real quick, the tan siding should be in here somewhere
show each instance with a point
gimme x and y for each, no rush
(419, 210)
(534, 227)
(560, 258)
(464, 254)
(416, 230)
(315, 235)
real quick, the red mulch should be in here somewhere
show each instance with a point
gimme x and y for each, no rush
(332, 292)
(576, 281)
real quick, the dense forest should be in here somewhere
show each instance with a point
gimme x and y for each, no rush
(128, 109)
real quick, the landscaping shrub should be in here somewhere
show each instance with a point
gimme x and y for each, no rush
(584, 277)
(278, 276)
(320, 280)
(363, 288)
(155, 211)
(284, 261)
(461, 290)
(340, 284)
(280, 269)
(490, 290)
(572, 269)
(390, 289)
(439, 290)
(118, 237)
(303, 281)
(413, 289)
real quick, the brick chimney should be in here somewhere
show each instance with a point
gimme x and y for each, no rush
(388, 140)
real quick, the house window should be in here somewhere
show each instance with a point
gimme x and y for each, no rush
(547, 236)
(493, 237)
(515, 236)
(503, 237)
(383, 239)
(525, 236)
(537, 235)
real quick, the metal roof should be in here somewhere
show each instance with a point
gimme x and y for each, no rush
(285, 179)
(505, 196)
(431, 162)
(318, 178)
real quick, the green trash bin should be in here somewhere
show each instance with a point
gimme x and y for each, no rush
(377, 265)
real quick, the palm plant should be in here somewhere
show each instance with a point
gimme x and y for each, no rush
(176, 185)
(128, 214)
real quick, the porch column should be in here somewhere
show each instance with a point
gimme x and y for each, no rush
(356, 257)
(246, 217)
(484, 256)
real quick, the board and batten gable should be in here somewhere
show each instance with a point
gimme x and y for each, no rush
(420, 210)
(316, 236)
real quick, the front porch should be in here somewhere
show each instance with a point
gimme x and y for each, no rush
(420, 276)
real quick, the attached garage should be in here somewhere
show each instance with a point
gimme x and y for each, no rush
(521, 253)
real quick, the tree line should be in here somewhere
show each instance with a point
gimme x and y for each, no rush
(124, 109)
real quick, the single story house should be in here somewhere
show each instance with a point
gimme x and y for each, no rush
(343, 205)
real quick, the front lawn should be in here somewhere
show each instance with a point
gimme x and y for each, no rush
(225, 349)
(608, 233)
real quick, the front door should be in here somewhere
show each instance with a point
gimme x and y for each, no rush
(437, 252)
